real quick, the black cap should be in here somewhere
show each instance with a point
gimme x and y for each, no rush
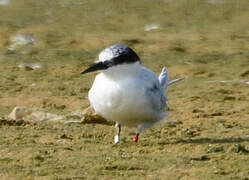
(119, 54)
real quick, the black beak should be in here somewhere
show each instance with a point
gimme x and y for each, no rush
(97, 66)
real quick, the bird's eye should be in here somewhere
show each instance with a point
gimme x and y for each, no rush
(108, 63)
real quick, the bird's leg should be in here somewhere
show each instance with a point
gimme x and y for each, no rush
(117, 138)
(140, 128)
(135, 138)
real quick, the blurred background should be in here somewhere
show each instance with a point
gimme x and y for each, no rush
(45, 44)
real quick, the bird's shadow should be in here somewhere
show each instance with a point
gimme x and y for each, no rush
(208, 140)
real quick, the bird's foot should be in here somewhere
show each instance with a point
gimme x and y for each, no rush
(116, 139)
(135, 138)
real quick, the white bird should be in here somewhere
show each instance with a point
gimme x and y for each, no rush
(126, 92)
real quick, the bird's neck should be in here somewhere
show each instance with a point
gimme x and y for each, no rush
(130, 69)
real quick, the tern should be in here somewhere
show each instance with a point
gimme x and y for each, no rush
(126, 92)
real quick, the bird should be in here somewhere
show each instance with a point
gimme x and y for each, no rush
(126, 92)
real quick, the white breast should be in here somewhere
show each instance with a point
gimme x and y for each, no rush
(125, 97)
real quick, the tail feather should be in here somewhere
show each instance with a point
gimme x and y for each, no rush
(165, 83)
(163, 79)
(175, 81)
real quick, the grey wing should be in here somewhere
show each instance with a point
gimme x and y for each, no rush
(163, 79)
(156, 97)
(153, 90)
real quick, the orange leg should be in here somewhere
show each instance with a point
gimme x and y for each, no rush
(135, 138)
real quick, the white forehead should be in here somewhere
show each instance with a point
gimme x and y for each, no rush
(105, 55)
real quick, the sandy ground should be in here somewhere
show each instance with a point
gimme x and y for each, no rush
(44, 45)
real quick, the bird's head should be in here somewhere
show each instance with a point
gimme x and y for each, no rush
(112, 56)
